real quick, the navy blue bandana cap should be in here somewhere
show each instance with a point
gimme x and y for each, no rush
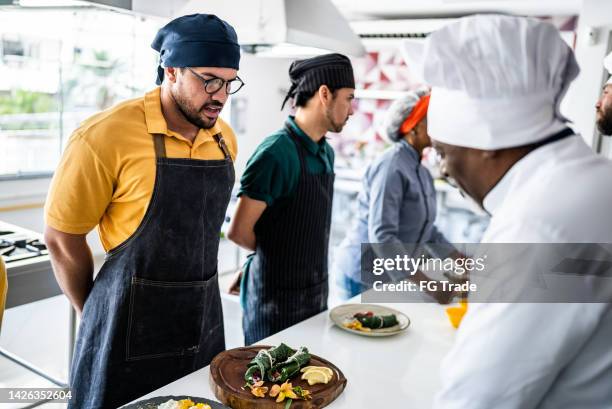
(196, 40)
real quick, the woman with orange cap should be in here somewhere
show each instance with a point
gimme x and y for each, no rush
(398, 202)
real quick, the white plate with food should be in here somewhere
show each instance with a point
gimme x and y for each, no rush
(369, 320)
(175, 402)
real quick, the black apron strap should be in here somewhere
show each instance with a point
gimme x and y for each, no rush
(298, 145)
(160, 145)
(221, 142)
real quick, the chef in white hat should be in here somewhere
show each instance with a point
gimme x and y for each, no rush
(497, 83)
(604, 104)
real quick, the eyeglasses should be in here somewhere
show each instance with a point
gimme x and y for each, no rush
(214, 84)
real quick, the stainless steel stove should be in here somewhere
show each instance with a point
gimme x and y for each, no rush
(15, 246)
(28, 266)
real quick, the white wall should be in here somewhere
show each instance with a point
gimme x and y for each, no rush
(266, 80)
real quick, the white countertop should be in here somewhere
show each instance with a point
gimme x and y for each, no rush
(390, 372)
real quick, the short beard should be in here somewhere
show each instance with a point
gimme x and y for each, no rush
(333, 127)
(604, 123)
(191, 114)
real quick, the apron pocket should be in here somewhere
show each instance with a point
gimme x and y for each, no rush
(166, 317)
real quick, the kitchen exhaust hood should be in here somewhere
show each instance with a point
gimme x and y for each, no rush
(263, 24)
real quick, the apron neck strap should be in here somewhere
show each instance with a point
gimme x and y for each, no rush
(298, 145)
(160, 145)
(221, 142)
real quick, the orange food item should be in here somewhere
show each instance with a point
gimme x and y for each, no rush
(456, 314)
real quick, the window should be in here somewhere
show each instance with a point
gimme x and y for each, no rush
(12, 47)
(58, 67)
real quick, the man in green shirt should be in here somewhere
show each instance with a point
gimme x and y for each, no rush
(284, 207)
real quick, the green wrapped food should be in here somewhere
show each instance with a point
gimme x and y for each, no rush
(290, 367)
(369, 320)
(276, 364)
(266, 360)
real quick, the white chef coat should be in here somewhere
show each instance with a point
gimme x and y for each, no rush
(539, 355)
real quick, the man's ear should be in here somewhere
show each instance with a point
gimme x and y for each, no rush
(325, 95)
(170, 73)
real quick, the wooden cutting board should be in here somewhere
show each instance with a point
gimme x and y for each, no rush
(227, 379)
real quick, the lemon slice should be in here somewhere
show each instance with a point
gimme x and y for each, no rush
(325, 369)
(315, 376)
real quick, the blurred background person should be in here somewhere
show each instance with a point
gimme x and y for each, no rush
(398, 202)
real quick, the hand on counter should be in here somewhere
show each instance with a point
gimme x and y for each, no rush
(234, 288)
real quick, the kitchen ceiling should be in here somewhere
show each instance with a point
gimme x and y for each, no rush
(401, 9)
(365, 9)
(269, 24)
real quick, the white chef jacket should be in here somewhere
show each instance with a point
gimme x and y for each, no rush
(539, 355)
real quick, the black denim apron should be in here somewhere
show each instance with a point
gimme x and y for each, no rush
(287, 280)
(154, 312)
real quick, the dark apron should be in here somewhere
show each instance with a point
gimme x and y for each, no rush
(287, 279)
(154, 312)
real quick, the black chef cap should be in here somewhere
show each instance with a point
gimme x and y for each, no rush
(333, 70)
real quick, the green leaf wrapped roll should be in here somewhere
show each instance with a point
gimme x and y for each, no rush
(372, 321)
(290, 367)
(265, 360)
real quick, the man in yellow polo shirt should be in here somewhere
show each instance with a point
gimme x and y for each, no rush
(155, 175)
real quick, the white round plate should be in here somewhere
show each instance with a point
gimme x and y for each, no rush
(345, 312)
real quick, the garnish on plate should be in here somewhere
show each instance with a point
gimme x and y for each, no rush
(257, 389)
(289, 392)
(183, 404)
(280, 392)
(317, 374)
(368, 321)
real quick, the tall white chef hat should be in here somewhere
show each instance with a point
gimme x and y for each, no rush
(608, 66)
(497, 81)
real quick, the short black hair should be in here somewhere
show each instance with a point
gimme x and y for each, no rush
(302, 98)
